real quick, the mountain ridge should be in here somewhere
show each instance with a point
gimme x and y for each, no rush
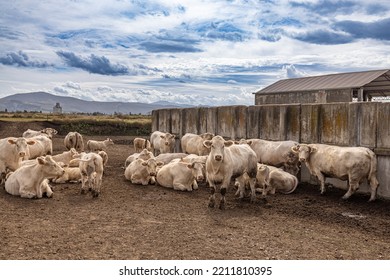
(44, 101)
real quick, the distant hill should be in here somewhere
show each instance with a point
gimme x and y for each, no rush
(43, 101)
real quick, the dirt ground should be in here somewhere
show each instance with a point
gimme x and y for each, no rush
(150, 222)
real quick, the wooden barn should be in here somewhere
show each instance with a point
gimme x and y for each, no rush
(342, 87)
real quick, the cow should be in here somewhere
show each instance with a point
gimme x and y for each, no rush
(144, 154)
(13, 151)
(71, 174)
(345, 163)
(74, 140)
(162, 142)
(66, 157)
(275, 153)
(48, 132)
(180, 175)
(142, 171)
(273, 179)
(227, 161)
(91, 168)
(28, 181)
(94, 146)
(140, 144)
(193, 143)
(168, 157)
(43, 146)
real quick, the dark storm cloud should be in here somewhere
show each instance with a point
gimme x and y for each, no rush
(21, 59)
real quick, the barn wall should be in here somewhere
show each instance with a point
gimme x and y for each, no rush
(317, 96)
(344, 124)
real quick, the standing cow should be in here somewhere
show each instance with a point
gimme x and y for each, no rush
(346, 163)
(227, 161)
(74, 140)
(193, 143)
(140, 144)
(162, 142)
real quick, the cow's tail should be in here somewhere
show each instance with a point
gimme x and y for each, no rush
(373, 169)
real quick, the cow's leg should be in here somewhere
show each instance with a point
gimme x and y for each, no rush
(47, 190)
(321, 178)
(180, 187)
(212, 195)
(97, 185)
(84, 180)
(152, 180)
(352, 187)
(373, 186)
(252, 184)
(195, 185)
(26, 192)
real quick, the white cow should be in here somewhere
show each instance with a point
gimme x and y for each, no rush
(227, 161)
(346, 163)
(13, 151)
(28, 181)
(273, 179)
(43, 146)
(66, 157)
(180, 175)
(91, 168)
(162, 142)
(140, 144)
(48, 132)
(74, 140)
(72, 174)
(142, 172)
(144, 154)
(275, 153)
(193, 143)
(168, 157)
(94, 146)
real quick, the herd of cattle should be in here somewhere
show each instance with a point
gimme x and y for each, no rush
(27, 165)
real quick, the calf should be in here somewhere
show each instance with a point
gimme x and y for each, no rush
(94, 146)
(144, 154)
(71, 174)
(66, 157)
(140, 144)
(227, 161)
(48, 132)
(162, 142)
(168, 157)
(193, 143)
(346, 163)
(28, 181)
(180, 175)
(43, 146)
(91, 168)
(142, 172)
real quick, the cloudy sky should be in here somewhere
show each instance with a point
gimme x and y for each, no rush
(211, 52)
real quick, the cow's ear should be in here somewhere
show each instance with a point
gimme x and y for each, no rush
(144, 163)
(12, 141)
(228, 143)
(207, 144)
(313, 149)
(31, 142)
(162, 136)
(41, 160)
(295, 149)
(190, 165)
(236, 142)
(172, 136)
(249, 142)
(160, 163)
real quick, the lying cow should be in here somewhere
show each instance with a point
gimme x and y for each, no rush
(43, 146)
(273, 179)
(162, 142)
(144, 154)
(28, 181)
(180, 175)
(13, 151)
(142, 172)
(48, 132)
(71, 175)
(140, 144)
(168, 157)
(74, 140)
(346, 163)
(66, 157)
(193, 143)
(275, 153)
(227, 161)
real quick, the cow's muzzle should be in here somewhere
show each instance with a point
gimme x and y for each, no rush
(22, 154)
(218, 158)
(302, 159)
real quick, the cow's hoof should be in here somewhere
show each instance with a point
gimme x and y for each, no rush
(83, 192)
(222, 206)
(211, 204)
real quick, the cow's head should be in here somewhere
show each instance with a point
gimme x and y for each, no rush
(303, 151)
(51, 168)
(152, 166)
(20, 145)
(217, 146)
(207, 136)
(197, 170)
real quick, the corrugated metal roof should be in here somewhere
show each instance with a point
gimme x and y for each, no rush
(331, 81)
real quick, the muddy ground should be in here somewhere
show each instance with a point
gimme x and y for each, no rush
(150, 222)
